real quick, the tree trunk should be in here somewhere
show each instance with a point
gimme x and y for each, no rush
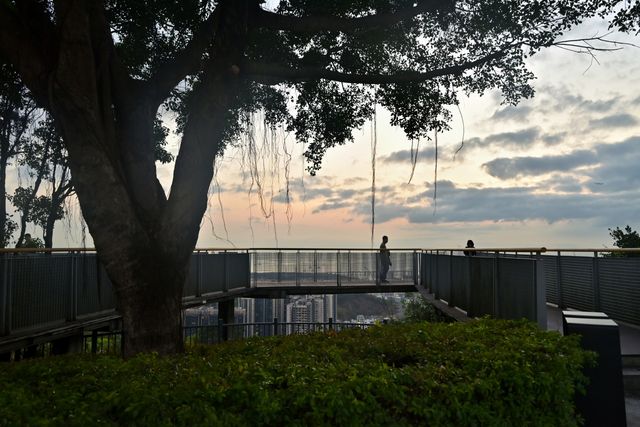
(3, 202)
(150, 301)
(48, 228)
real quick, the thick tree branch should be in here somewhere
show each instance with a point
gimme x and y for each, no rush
(276, 73)
(186, 62)
(19, 47)
(312, 24)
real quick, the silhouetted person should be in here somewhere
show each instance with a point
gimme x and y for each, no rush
(469, 245)
(385, 260)
(29, 242)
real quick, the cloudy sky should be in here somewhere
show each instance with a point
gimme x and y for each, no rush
(554, 171)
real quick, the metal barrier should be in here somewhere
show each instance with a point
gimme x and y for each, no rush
(606, 280)
(43, 289)
(111, 342)
(37, 290)
(335, 266)
(499, 286)
(594, 283)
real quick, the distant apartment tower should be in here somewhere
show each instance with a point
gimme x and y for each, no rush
(309, 309)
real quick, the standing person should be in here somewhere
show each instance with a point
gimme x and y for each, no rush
(469, 245)
(385, 260)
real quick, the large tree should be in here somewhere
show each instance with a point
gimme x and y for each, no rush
(17, 112)
(45, 161)
(103, 68)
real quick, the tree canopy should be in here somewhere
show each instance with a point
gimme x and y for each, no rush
(106, 70)
(625, 238)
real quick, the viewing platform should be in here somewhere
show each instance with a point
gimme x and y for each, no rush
(48, 294)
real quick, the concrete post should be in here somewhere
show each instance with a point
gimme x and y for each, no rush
(603, 404)
(226, 316)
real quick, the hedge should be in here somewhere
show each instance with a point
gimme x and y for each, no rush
(487, 372)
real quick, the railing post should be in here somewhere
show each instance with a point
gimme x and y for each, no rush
(248, 269)
(416, 266)
(198, 274)
(279, 262)
(541, 292)
(315, 266)
(5, 297)
(496, 280)
(468, 286)
(596, 282)
(377, 262)
(298, 268)
(72, 289)
(559, 279)
(435, 285)
(275, 326)
(255, 269)
(451, 301)
(94, 341)
(225, 268)
(338, 268)
(331, 323)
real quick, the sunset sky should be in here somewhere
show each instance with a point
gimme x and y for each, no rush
(555, 171)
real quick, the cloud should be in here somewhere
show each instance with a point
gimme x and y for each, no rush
(508, 168)
(513, 113)
(554, 139)
(406, 156)
(564, 100)
(281, 197)
(333, 205)
(618, 171)
(497, 204)
(614, 121)
(522, 138)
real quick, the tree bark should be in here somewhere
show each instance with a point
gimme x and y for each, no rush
(3, 202)
(150, 302)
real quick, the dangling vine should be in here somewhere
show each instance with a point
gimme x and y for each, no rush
(374, 145)
(414, 159)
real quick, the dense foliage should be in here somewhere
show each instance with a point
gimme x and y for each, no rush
(487, 372)
(627, 238)
(417, 309)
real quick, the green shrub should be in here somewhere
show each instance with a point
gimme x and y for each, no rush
(418, 309)
(486, 372)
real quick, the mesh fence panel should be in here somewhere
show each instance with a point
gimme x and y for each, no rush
(39, 289)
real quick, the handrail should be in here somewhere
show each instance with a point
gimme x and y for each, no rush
(599, 250)
(458, 249)
(196, 250)
(536, 249)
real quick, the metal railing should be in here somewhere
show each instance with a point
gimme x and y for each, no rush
(593, 280)
(330, 266)
(602, 279)
(102, 342)
(41, 289)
